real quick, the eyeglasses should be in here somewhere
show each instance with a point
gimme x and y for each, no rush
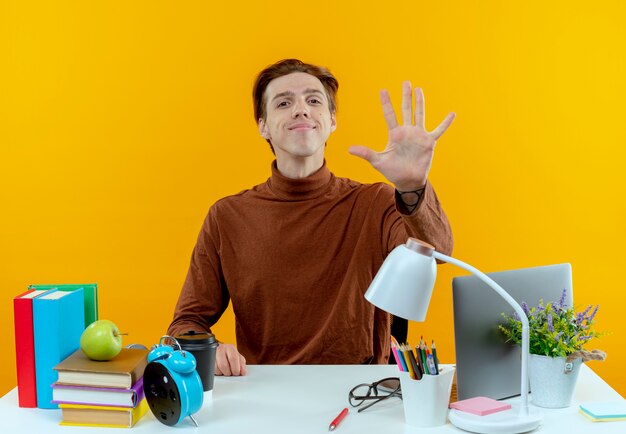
(375, 392)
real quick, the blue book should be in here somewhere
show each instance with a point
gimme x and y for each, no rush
(58, 322)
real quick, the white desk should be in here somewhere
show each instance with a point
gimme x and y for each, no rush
(304, 399)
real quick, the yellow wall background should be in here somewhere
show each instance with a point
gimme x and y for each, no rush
(122, 122)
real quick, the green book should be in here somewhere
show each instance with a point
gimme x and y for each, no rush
(91, 297)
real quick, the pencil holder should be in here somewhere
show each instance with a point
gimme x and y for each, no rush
(426, 401)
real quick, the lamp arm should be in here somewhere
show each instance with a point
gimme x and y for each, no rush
(518, 309)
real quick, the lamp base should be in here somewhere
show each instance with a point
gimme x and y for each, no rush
(511, 421)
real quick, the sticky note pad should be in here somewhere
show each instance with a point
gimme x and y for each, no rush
(600, 419)
(605, 410)
(480, 405)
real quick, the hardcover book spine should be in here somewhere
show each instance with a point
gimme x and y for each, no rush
(139, 393)
(58, 324)
(135, 395)
(25, 349)
(102, 420)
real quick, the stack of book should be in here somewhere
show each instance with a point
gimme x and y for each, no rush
(93, 393)
(48, 326)
(49, 320)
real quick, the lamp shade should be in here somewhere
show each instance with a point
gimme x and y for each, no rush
(405, 281)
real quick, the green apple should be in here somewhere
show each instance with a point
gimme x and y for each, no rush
(101, 340)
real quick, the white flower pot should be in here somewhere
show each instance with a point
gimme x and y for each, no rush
(552, 380)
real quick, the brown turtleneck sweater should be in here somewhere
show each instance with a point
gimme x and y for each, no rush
(295, 256)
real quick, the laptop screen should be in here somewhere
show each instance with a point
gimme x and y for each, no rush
(485, 364)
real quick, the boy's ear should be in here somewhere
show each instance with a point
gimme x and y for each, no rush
(333, 122)
(263, 130)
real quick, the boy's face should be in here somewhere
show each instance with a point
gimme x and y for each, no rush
(298, 119)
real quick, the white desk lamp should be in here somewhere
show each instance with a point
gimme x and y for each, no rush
(403, 287)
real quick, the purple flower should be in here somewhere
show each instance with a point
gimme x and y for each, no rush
(580, 317)
(586, 311)
(562, 299)
(593, 314)
(516, 316)
(550, 325)
(525, 308)
(557, 337)
(584, 338)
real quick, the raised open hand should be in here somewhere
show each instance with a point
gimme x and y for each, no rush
(406, 160)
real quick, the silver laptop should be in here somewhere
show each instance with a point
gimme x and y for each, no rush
(485, 364)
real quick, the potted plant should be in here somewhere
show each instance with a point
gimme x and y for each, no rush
(558, 335)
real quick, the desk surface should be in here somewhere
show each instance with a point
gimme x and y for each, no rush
(304, 399)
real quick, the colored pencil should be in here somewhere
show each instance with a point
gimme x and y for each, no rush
(436, 360)
(416, 368)
(394, 351)
(405, 352)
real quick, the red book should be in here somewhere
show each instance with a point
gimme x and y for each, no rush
(25, 348)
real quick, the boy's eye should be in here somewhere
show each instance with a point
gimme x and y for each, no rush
(314, 101)
(282, 104)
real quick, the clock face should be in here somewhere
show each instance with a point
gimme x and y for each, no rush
(162, 393)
